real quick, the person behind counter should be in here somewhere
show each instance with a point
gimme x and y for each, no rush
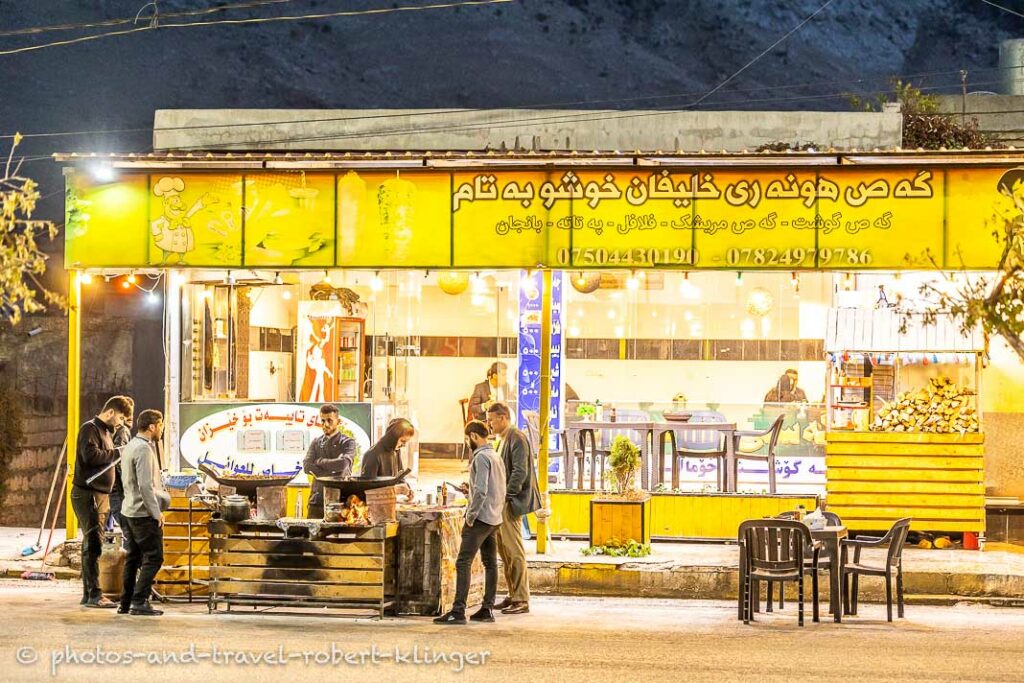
(493, 390)
(484, 517)
(330, 455)
(90, 488)
(384, 459)
(786, 390)
(522, 497)
(145, 500)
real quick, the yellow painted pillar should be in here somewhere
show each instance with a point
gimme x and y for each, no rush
(74, 390)
(545, 406)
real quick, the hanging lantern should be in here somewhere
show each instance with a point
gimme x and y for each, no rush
(453, 282)
(585, 283)
(760, 302)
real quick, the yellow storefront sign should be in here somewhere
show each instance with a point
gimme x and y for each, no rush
(835, 218)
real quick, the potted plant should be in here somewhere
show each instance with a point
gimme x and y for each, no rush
(624, 515)
(586, 411)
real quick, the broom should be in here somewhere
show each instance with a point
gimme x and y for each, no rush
(34, 548)
(42, 575)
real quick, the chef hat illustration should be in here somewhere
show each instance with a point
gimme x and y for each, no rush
(168, 185)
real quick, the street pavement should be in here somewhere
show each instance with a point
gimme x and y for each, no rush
(46, 636)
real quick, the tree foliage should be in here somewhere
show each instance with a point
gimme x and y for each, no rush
(22, 263)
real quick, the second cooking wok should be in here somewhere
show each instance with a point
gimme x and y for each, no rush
(357, 485)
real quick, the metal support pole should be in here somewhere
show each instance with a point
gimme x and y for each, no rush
(545, 406)
(74, 390)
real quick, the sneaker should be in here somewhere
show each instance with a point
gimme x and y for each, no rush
(485, 615)
(517, 608)
(145, 610)
(451, 618)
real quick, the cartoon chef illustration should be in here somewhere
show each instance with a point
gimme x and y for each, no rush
(172, 231)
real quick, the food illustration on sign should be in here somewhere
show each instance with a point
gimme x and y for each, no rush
(172, 231)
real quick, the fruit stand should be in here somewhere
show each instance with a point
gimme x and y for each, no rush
(904, 432)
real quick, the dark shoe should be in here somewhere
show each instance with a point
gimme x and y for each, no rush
(451, 618)
(517, 608)
(507, 602)
(485, 615)
(101, 603)
(145, 611)
(123, 609)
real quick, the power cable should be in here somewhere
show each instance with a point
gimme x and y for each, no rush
(1005, 9)
(35, 30)
(255, 20)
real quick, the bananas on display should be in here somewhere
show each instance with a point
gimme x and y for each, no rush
(942, 407)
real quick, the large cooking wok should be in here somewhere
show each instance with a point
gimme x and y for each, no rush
(245, 486)
(358, 485)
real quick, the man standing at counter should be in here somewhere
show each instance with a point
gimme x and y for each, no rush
(330, 455)
(484, 516)
(91, 485)
(521, 498)
(493, 390)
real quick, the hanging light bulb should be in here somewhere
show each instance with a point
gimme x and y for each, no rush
(632, 282)
(376, 284)
(85, 278)
(794, 280)
(231, 277)
(286, 294)
(327, 276)
(739, 279)
(178, 278)
(131, 278)
(126, 283)
(278, 280)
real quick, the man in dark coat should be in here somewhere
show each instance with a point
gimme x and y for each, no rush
(330, 455)
(493, 390)
(522, 496)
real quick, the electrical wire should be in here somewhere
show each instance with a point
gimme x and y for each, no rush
(1005, 9)
(255, 20)
(36, 30)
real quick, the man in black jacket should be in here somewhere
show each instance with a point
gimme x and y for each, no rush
(330, 455)
(92, 482)
(522, 496)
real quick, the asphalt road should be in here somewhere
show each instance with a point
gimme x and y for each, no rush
(563, 639)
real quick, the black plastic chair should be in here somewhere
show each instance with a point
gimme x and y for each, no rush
(768, 456)
(895, 539)
(774, 550)
(824, 563)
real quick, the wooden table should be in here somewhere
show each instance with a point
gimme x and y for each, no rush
(831, 538)
(664, 429)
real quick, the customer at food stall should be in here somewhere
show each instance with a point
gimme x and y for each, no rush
(384, 458)
(484, 516)
(145, 500)
(122, 436)
(786, 389)
(522, 497)
(90, 488)
(330, 455)
(492, 390)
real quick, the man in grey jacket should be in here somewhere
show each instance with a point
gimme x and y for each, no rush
(145, 500)
(522, 496)
(486, 491)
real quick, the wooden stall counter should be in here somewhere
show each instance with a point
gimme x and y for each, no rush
(428, 545)
(875, 478)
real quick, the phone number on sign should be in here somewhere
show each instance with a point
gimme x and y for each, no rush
(640, 256)
(839, 256)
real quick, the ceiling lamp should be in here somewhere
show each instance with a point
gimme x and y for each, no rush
(453, 282)
(585, 283)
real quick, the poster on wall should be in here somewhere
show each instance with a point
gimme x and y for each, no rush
(262, 438)
(317, 356)
(530, 349)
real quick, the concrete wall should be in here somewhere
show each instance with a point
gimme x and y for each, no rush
(999, 115)
(472, 129)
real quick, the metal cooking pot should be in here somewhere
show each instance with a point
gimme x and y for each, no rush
(234, 509)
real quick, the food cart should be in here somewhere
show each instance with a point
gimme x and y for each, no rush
(904, 433)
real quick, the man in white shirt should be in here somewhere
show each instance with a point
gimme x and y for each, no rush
(145, 500)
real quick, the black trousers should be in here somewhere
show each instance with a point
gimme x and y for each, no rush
(83, 502)
(482, 538)
(144, 543)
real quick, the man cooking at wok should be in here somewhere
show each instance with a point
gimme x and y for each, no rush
(330, 455)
